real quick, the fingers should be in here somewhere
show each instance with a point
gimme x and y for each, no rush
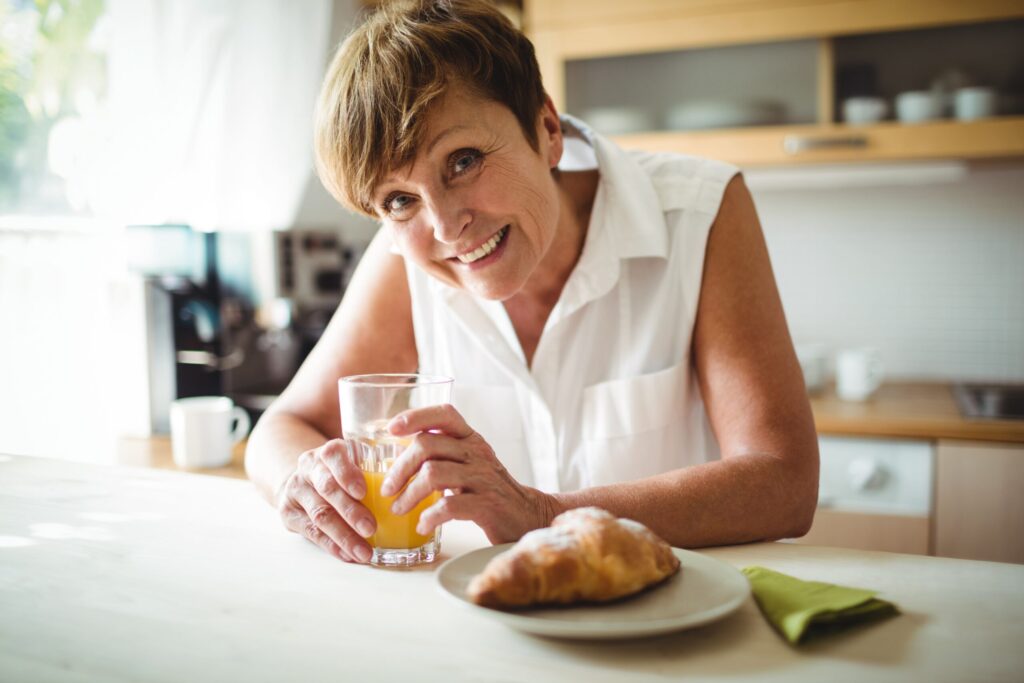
(425, 446)
(337, 457)
(322, 520)
(434, 475)
(355, 514)
(296, 520)
(441, 418)
(460, 506)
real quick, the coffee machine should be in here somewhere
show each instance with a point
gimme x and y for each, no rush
(234, 313)
(298, 279)
(183, 301)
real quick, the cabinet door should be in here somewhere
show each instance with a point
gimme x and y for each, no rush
(979, 501)
(863, 531)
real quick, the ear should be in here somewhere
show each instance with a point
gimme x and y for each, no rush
(549, 132)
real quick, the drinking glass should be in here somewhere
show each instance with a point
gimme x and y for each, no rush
(368, 402)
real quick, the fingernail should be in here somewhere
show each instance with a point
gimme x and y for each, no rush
(364, 528)
(358, 490)
(385, 487)
(362, 553)
(397, 424)
(396, 508)
(421, 529)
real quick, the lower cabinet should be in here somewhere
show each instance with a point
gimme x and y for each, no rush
(863, 531)
(979, 501)
(949, 498)
(874, 494)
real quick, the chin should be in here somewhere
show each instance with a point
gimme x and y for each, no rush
(491, 290)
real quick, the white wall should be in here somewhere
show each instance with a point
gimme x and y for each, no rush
(931, 275)
(318, 208)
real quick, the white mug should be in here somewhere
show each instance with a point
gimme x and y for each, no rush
(917, 106)
(205, 429)
(860, 110)
(974, 103)
(858, 373)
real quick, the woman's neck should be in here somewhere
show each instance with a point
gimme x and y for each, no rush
(577, 190)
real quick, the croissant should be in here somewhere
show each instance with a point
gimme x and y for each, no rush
(587, 554)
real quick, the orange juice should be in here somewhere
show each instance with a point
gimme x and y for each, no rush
(394, 531)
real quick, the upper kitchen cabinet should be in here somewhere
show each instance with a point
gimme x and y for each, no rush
(770, 82)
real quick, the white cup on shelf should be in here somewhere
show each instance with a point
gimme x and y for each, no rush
(862, 110)
(859, 373)
(974, 103)
(205, 429)
(917, 106)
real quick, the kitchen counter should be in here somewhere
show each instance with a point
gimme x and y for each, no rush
(155, 451)
(922, 410)
(122, 573)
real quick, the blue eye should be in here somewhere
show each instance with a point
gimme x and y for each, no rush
(464, 159)
(396, 202)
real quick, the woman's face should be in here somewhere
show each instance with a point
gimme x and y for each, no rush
(478, 207)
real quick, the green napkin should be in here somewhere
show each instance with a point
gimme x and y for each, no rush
(802, 609)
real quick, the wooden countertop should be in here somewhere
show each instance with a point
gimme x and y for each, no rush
(119, 573)
(922, 410)
(155, 451)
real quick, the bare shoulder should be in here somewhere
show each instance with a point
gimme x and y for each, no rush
(372, 331)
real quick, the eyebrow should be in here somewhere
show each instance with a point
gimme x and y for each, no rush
(437, 138)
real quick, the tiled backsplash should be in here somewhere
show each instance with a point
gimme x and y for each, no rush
(931, 275)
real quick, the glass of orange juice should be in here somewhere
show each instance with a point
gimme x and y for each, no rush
(368, 402)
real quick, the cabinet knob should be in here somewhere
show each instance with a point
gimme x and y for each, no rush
(865, 474)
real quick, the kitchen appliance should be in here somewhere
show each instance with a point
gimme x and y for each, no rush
(182, 296)
(297, 279)
(875, 494)
(233, 313)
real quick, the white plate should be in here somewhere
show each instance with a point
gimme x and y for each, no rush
(703, 590)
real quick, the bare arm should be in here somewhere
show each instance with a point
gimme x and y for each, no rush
(295, 445)
(765, 486)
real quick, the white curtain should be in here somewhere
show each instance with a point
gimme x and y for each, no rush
(210, 107)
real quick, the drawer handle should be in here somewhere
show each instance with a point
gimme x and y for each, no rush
(796, 144)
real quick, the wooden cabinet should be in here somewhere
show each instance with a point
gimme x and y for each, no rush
(979, 499)
(892, 533)
(571, 33)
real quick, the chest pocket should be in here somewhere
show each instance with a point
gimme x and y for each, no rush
(633, 427)
(493, 412)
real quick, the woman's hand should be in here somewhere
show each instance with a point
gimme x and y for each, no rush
(447, 454)
(320, 500)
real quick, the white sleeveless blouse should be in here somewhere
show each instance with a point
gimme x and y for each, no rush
(612, 395)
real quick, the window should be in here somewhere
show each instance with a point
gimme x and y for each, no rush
(53, 77)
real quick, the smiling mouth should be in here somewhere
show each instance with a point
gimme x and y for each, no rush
(484, 249)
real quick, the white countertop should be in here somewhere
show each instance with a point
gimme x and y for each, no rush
(115, 573)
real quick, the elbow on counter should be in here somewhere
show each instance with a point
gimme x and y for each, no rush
(802, 495)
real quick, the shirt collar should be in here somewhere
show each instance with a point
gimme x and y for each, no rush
(629, 215)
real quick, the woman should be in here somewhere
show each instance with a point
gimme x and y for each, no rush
(610, 318)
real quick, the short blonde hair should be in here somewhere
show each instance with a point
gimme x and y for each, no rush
(371, 113)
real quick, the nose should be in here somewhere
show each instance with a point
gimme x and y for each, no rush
(450, 220)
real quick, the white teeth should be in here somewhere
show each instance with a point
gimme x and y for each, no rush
(484, 249)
